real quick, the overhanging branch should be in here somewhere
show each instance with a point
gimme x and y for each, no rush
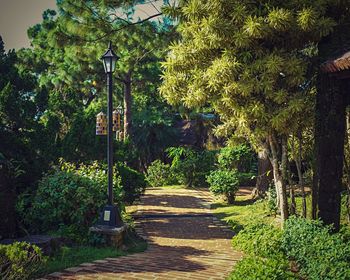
(125, 26)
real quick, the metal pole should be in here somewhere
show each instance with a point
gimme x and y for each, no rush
(110, 138)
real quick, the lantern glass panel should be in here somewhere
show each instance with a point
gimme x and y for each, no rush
(113, 61)
(106, 64)
(109, 64)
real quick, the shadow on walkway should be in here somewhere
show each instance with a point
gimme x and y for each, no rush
(155, 260)
(196, 228)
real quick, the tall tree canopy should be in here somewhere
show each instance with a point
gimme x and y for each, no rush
(251, 61)
(67, 51)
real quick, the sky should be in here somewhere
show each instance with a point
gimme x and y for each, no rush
(16, 16)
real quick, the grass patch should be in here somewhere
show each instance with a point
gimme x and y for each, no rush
(242, 212)
(245, 211)
(74, 256)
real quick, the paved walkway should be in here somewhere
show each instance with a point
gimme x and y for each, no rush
(185, 242)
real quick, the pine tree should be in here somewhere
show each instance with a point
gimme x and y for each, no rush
(69, 45)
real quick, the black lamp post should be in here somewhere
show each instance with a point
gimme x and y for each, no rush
(110, 215)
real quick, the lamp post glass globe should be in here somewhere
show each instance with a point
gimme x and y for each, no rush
(109, 59)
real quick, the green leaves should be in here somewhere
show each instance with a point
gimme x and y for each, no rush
(307, 18)
(223, 182)
(247, 60)
(70, 199)
(253, 267)
(280, 19)
(20, 260)
(191, 166)
(254, 27)
(319, 253)
(160, 174)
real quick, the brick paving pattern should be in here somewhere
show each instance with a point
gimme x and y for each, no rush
(185, 242)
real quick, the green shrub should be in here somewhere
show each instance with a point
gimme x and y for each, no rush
(224, 182)
(241, 158)
(160, 174)
(320, 254)
(69, 199)
(19, 261)
(191, 165)
(266, 260)
(256, 268)
(259, 239)
(133, 183)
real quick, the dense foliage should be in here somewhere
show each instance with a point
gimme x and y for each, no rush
(240, 157)
(252, 268)
(224, 182)
(69, 199)
(251, 65)
(318, 253)
(19, 260)
(21, 136)
(160, 174)
(259, 239)
(133, 183)
(254, 63)
(191, 165)
(235, 167)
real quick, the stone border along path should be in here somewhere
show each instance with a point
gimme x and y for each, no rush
(184, 242)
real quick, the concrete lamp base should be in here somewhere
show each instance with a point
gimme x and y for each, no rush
(111, 226)
(114, 235)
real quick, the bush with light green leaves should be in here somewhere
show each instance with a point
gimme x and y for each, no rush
(20, 260)
(257, 268)
(224, 182)
(160, 174)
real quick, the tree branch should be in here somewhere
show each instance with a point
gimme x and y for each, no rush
(123, 27)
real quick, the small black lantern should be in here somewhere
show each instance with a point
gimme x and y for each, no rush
(109, 59)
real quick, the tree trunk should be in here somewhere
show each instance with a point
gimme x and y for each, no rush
(329, 137)
(230, 198)
(265, 174)
(280, 174)
(298, 160)
(331, 101)
(346, 162)
(300, 175)
(292, 207)
(127, 106)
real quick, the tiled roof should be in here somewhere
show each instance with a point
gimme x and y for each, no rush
(338, 64)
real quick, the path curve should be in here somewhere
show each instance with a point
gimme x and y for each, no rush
(185, 242)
